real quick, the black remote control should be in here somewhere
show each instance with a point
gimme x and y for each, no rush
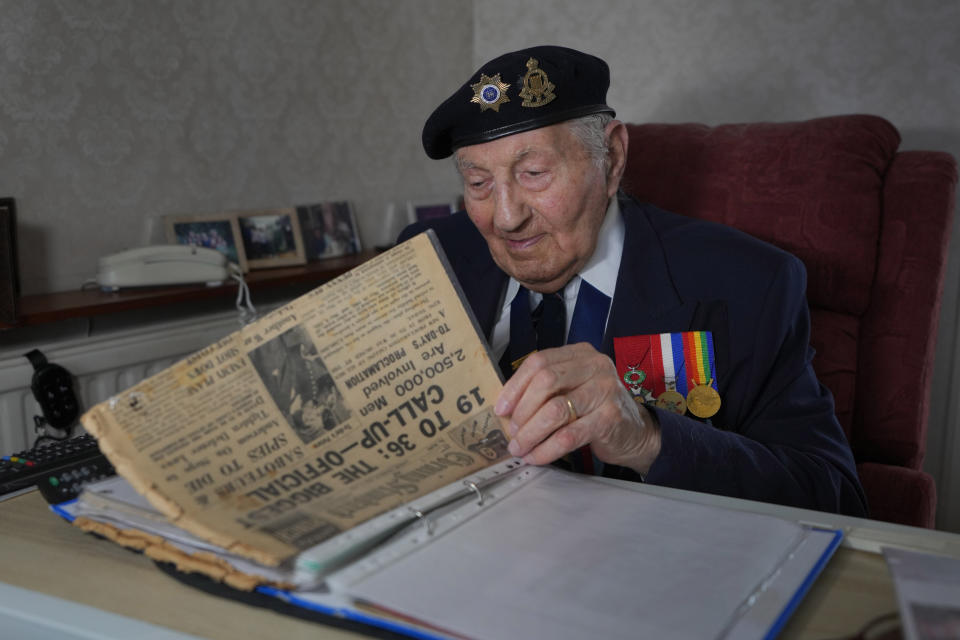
(60, 469)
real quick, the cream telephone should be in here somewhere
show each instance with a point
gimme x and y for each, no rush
(163, 265)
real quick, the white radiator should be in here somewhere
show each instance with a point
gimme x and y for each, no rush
(102, 366)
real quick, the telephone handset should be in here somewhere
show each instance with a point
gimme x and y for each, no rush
(163, 265)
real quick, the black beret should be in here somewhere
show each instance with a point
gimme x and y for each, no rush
(517, 92)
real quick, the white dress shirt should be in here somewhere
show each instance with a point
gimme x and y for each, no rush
(600, 271)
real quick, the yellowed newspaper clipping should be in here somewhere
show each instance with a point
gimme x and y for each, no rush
(355, 398)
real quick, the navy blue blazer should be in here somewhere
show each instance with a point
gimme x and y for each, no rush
(775, 438)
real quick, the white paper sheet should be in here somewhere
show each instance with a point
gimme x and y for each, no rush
(568, 558)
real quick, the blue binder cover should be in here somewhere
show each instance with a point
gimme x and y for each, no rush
(547, 547)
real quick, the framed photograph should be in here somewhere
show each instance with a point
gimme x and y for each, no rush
(328, 229)
(427, 209)
(9, 271)
(215, 231)
(271, 238)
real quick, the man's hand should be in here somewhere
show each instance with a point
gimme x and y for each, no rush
(543, 426)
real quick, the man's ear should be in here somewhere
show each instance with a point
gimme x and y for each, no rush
(617, 141)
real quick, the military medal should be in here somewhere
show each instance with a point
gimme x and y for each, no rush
(671, 399)
(519, 361)
(634, 376)
(633, 380)
(703, 400)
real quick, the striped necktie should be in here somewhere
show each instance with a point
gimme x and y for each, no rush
(542, 328)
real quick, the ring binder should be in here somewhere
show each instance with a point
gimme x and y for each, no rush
(388, 563)
(531, 576)
(473, 487)
(421, 516)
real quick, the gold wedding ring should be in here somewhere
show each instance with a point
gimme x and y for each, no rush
(571, 410)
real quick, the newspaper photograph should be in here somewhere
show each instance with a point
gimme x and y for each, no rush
(367, 392)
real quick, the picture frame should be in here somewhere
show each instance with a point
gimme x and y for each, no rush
(9, 263)
(429, 208)
(218, 231)
(328, 230)
(271, 238)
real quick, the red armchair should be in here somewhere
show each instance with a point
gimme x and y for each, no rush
(871, 225)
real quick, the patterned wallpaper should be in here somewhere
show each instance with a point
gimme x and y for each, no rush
(116, 111)
(746, 60)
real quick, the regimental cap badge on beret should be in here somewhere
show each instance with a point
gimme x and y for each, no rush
(490, 93)
(537, 88)
(517, 92)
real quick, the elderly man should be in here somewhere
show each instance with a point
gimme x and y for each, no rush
(636, 342)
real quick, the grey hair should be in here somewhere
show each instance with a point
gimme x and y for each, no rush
(589, 130)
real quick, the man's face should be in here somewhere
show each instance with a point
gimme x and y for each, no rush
(538, 199)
